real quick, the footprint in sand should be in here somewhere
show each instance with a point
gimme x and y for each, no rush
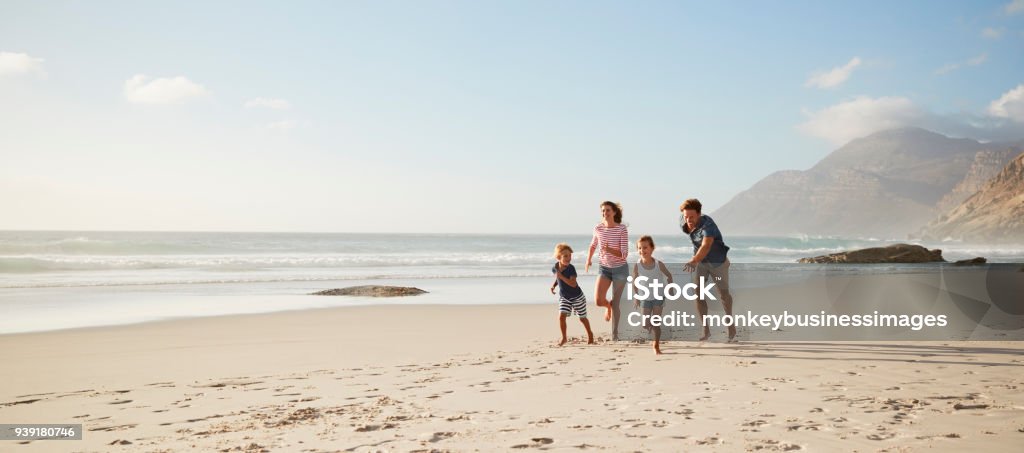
(536, 443)
(773, 445)
(438, 436)
(114, 428)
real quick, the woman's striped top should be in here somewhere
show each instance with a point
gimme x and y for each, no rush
(616, 237)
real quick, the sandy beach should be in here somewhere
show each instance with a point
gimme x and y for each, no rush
(490, 378)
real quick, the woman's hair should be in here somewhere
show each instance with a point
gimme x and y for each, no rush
(561, 248)
(615, 207)
(649, 240)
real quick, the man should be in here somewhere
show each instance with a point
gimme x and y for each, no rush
(710, 259)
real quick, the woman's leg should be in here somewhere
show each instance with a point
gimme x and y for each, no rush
(601, 296)
(617, 288)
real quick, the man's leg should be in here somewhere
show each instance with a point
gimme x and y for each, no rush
(721, 274)
(702, 305)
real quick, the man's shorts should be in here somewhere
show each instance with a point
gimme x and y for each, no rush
(615, 274)
(719, 275)
(650, 304)
(577, 304)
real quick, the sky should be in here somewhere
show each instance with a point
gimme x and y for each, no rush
(466, 116)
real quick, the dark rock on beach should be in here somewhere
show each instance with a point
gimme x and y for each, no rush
(372, 291)
(972, 261)
(896, 253)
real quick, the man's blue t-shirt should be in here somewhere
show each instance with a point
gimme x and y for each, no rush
(706, 228)
(564, 289)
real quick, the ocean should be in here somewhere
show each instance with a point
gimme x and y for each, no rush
(68, 279)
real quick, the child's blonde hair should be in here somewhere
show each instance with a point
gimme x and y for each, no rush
(561, 248)
(646, 239)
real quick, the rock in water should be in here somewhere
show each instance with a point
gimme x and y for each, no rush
(372, 291)
(896, 253)
(978, 260)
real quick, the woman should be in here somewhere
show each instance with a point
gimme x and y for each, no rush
(612, 239)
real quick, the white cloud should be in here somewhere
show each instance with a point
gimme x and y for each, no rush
(1014, 7)
(285, 125)
(860, 116)
(833, 78)
(12, 63)
(276, 104)
(992, 33)
(954, 66)
(170, 90)
(1010, 105)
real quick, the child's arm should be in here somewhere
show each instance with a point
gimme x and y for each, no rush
(636, 286)
(664, 270)
(571, 281)
(555, 283)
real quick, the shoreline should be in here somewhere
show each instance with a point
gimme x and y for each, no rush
(61, 308)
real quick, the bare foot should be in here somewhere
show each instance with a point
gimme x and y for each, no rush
(562, 343)
(591, 341)
(657, 348)
(707, 334)
(608, 312)
(732, 332)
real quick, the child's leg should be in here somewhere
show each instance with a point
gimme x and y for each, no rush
(561, 325)
(656, 311)
(580, 306)
(645, 321)
(590, 334)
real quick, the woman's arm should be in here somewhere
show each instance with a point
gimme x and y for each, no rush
(623, 247)
(590, 253)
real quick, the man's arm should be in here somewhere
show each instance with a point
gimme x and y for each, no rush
(705, 247)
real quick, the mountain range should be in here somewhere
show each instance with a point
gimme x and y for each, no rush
(889, 185)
